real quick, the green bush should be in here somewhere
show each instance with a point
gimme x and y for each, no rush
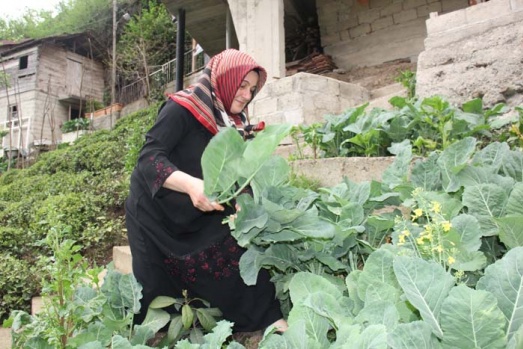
(79, 189)
(75, 125)
(17, 284)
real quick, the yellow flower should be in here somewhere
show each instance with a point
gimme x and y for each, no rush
(446, 226)
(438, 248)
(419, 240)
(417, 213)
(451, 260)
(405, 232)
(436, 207)
(401, 239)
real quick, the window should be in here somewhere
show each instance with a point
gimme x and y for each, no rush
(12, 117)
(23, 62)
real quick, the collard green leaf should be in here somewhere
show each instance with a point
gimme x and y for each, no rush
(260, 149)
(515, 199)
(398, 172)
(377, 269)
(513, 165)
(316, 326)
(511, 230)
(220, 171)
(218, 336)
(303, 284)
(492, 156)
(471, 319)
(311, 225)
(517, 339)
(426, 173)
(469, 260)
(379, 313)
(372, 337)
(425, 284)
(473, 175)
(250, 266)
(468, 228)
(250, 220)
(417, 334)
(485, 202)
(504, 279)
(274, 172)
(131, 292)
(452, 160)
(280, 213)
(328, 307)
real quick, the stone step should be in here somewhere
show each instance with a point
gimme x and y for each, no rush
(380, 97)
(123, 261)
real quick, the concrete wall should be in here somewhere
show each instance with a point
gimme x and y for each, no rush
(475, 52)
(370, 32)
(259, 28)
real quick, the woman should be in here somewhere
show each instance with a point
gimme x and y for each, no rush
(177, 238)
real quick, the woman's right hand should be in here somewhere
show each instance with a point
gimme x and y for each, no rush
(198, 198)
(192, 186)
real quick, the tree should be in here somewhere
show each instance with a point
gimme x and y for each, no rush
(148, 41)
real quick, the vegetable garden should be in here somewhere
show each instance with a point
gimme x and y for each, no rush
(431, 256)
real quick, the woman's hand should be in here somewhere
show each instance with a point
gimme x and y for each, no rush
(192, 186)
(198, 198)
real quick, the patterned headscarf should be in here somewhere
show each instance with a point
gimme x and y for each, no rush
(216, 88)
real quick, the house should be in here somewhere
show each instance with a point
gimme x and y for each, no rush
(462, 49)
(47, 81)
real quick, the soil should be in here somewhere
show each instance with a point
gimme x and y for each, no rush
(373, 77)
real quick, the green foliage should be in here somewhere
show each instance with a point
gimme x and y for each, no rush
(76, 125)
(190, 321)
(431, 124)
(394, 302)
(17, 279)
(407, 79)
(149, 40)
(79, 312)
(82, 187)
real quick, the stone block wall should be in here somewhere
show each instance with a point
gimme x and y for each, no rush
(304, 98)
(370, 32)
(475, 52)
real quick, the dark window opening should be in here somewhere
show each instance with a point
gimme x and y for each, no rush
(75, 113)
(12, 116)
(23, 62)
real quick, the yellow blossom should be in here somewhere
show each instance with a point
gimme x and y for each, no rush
(446, 226)
(405, 232)
(451, 260)
(438, 248)
(401, 238)
(419, 240)
(436, 207)
(417, 213)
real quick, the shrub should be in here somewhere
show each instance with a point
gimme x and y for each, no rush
(17, 284)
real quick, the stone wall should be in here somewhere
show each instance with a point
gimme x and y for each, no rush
(370, 32)
(305, 98)
(475, 52)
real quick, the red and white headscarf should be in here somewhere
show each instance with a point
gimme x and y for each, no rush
(216, 88)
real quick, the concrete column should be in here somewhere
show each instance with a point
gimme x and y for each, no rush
(260, 32)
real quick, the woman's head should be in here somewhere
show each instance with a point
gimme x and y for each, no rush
(235, 79)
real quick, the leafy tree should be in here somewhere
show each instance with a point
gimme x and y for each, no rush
(148, 41)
